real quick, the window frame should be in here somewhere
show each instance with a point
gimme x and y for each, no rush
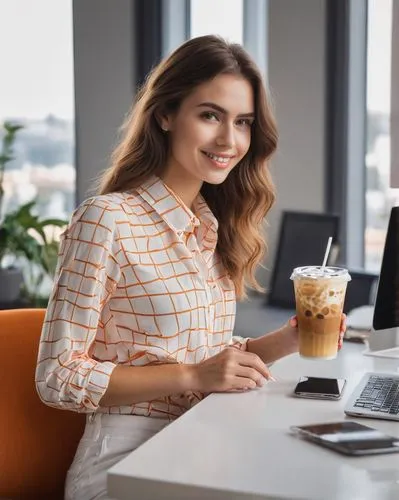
(346, 31)
(256, 20)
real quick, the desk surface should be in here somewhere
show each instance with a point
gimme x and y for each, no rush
(238, 446)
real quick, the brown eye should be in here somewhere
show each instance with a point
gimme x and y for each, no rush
(244, 122)
(208, 115)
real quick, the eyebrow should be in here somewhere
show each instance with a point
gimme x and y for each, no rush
(222, 110)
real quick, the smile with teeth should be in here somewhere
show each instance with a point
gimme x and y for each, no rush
(219, 159)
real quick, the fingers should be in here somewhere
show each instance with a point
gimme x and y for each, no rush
(251, 360)
(343, 322)
(250, 374)
(293, 321)
(340, 340)
(244, 384)
(343, 330)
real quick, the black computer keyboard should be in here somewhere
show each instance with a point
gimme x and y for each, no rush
(380, 394)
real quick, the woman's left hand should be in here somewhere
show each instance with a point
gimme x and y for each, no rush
(291, 329)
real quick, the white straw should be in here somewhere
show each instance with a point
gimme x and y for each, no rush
(327, 253)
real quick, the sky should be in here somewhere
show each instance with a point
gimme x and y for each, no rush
(36, 52)
(36, 58)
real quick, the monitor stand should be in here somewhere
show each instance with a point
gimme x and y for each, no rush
(383, 343)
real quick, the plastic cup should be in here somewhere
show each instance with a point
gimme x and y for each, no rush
(319, 297)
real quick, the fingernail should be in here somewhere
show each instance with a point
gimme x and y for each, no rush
(271, 378)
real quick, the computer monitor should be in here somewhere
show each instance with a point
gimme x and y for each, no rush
(384, 337)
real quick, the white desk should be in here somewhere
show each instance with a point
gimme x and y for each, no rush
(237, 446)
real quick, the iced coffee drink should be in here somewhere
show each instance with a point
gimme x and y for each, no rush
(319, 297)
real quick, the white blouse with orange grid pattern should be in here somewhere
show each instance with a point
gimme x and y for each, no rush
(138, 282)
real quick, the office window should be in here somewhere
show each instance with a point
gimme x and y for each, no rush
(379, 196)
(217, 17)
(36, 53)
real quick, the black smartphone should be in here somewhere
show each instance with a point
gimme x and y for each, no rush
(349, 438)
(320, 388)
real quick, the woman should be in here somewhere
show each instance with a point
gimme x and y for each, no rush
(139, 323)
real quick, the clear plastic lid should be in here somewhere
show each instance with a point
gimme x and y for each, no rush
(316, 272)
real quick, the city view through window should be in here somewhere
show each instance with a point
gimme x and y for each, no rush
(379, 196)
(37, 92)
(36, 50)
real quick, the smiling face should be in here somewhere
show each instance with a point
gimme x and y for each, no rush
(209, 134)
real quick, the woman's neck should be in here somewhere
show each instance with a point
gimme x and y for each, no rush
(185, 187)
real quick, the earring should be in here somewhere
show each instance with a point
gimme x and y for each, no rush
(164, 129)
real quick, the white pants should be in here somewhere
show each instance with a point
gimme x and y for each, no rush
(106, 440)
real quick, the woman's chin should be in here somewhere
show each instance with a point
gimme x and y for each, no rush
(216, 177)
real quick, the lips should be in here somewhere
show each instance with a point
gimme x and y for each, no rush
(220, 160)
(218, 157)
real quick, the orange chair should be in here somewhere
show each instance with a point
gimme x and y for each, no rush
(37, 443)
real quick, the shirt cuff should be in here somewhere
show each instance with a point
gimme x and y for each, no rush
(97, 384)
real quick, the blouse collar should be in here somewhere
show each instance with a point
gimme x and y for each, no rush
(173, 210)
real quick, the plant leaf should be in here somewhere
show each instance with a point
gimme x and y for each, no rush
(53, 222)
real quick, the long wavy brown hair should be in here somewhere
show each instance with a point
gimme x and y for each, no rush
(242, 201)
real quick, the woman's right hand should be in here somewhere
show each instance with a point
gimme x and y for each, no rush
(230, 370)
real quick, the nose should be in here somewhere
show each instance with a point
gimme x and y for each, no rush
(225, 137)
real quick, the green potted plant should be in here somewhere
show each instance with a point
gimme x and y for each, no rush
(23, 235)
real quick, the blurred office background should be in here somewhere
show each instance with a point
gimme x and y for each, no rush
(70, 70)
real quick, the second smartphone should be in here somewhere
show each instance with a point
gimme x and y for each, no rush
(320, 388)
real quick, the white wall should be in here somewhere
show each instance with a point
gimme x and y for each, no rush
(296, 70)
(104, 82)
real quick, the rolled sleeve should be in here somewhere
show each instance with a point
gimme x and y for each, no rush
(97, 382)
(87, 274)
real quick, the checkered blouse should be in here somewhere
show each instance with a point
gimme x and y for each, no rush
(138, 283)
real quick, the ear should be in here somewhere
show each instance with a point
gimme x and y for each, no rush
(165, 121)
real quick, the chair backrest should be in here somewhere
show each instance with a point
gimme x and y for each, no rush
(302, 242)
(37, 443)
